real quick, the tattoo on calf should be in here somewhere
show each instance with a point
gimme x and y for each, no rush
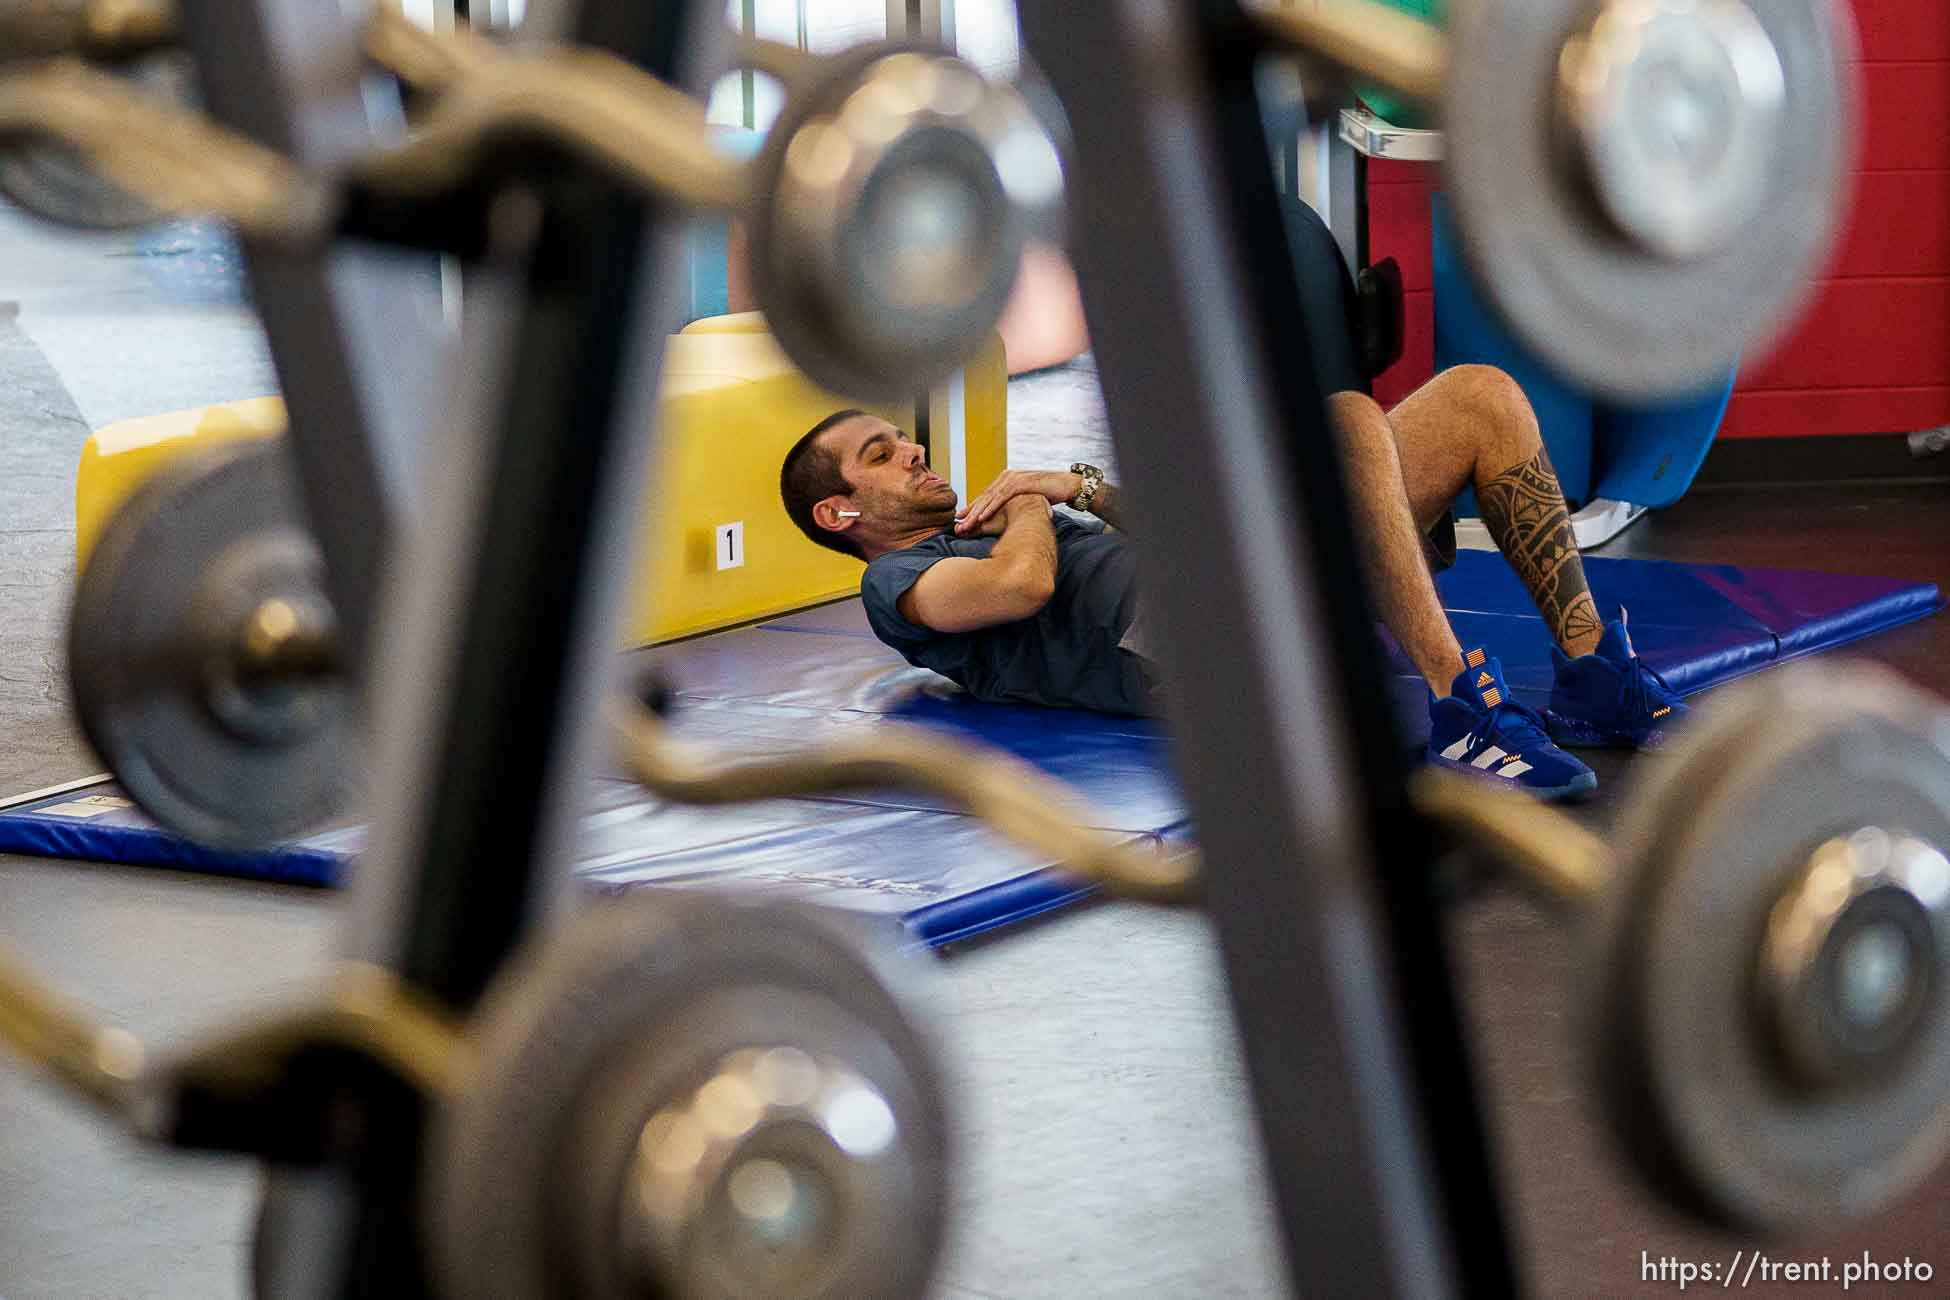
(1523, 507)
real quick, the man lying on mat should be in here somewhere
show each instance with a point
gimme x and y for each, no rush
(1020, 603)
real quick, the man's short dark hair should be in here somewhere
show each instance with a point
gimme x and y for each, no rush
(812, 473)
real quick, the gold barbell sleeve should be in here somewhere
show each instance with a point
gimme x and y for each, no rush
(172, 158)
(1370, 40)
(1017, 800)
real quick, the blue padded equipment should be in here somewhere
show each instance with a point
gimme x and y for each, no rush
(1466, 333)
(1648, 455)
(820, 674)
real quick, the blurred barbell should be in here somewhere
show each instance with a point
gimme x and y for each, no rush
(889, 209)
(1770, 939)
(1766, 946)
(673, 1095)
(1643, 187)
(203, 654)
(1768, 925)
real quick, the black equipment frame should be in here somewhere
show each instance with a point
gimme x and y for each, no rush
(498, 611)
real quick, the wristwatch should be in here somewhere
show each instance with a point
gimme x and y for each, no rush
(1093, 478)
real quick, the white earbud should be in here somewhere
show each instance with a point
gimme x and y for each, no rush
(848, 514)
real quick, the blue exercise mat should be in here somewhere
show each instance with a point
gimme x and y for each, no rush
(817, 675)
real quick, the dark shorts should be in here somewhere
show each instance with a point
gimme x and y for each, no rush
(1439, 543)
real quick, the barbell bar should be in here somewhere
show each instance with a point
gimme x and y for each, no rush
(101, 31)
(1765, 946)
(1836, 920)
(207, 671)
(689, 1097)
(203, 655)
(889, 209)
(674, 1096)
(1829, 1005)
(1766, 935)
(1644, 187)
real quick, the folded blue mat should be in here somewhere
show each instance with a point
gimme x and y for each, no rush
(820, 674)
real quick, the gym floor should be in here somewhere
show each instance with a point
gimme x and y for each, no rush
(1106, 1142)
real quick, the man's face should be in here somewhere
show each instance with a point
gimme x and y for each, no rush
(893, 489)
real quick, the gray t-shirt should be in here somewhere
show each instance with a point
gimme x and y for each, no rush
(1067, 656)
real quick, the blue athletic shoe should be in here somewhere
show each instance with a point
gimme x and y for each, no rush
(1480, 730)
(1609, 699)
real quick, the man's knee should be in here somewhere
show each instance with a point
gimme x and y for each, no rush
(1499, 405)
(1495, 393)
(1371, 460)
(1362, 428)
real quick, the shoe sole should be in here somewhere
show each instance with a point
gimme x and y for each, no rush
(1582, 784)
(1570, 733)
(1579, 789)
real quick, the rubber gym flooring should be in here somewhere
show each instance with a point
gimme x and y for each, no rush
(1107, 1147)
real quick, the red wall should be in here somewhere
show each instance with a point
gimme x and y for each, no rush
(1398, 227)
(1872, 352)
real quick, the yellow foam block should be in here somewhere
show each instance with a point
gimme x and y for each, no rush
(120, 457)
(730, 408)
(738, 322)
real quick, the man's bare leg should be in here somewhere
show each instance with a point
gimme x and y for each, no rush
(1391, 547)
(1472, 426)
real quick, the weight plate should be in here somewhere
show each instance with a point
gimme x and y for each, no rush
(55, 182)
(617, 1136)
(33, 30)
(1607, 309)
(1670, 789)
(897, 190)
(1689, 1065)
(153, 649)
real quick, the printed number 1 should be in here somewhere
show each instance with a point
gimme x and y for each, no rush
(731, 545)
